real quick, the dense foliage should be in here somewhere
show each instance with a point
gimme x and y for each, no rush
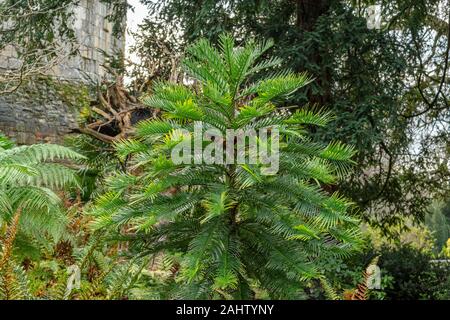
(414, 274)
(30, 212)
(358, 112)
(231, 223)
(388, 87)
(45, 245)
(27, 176)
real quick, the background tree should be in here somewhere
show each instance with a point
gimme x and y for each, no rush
(438, 221)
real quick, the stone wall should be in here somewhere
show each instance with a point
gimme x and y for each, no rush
(43, 109)
(94, 33)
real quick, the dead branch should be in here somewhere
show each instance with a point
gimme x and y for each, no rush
(115, 107)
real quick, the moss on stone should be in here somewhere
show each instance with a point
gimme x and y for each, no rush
(75, 95)
(44, 109)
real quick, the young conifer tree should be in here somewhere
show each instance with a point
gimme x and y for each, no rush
(235, 226)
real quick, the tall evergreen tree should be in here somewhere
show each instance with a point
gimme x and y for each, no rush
(234, 226)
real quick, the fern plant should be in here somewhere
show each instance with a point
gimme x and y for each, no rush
(29, 208)
(28, 177)
(362, 290)
(236, 227)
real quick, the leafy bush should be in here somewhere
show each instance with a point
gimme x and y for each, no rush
(414, 274)
(99, 160)
(31, 213)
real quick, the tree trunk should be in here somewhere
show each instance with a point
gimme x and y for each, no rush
(308, 11)
(307, 14)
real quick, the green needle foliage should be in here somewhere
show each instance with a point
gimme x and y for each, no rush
(237, 229)
(28, 177)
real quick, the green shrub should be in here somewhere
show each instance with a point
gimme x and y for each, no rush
(414, 274)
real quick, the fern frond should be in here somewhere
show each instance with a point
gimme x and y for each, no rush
(329, 290)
